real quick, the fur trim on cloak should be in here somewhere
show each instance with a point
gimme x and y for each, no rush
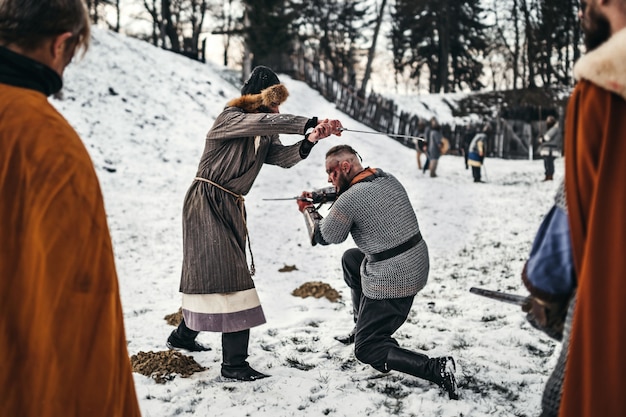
(605, 66)
(253, 103)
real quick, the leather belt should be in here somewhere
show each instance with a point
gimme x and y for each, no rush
(396, 250)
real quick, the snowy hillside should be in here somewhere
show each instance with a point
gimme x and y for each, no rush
(143, 114)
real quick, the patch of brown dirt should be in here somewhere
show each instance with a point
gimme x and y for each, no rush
(288, 268)
(174, 319)
(162, 366)
(317, 289)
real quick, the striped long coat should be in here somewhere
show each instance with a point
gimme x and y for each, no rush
(214, 230)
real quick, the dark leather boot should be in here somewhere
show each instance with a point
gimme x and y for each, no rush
(234, 354)
(347, 339)
(437, 370)
(185, 338)
(356, 303)
(433, 168)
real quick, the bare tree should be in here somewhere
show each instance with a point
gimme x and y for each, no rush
(372, 51)
(170, 24)
(97, 8)
(505, 39)
(197, 12)
(156, 20)
(530, 25)
(177, 24)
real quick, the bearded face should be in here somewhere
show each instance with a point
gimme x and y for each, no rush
(595, 26)
(337, 177)
(342, 183)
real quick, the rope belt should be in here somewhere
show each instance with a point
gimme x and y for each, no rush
(396, 250)
(241, 203)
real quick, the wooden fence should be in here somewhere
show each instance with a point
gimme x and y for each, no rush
(509, 138)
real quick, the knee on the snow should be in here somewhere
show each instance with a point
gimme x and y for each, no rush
(368, 357)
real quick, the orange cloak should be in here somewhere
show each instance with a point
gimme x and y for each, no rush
(62, 342)
(595, 168)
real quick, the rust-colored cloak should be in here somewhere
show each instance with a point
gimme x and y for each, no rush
(595, 168)
(62, 342)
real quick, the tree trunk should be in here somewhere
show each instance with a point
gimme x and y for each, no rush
(94, 15)
(372, 51)
(516, 46)
(530, 58)
(444, 49)
(246, 64)
(169, 28)
(197, 21)
(155, 21)
(228, 29)
(117, 17)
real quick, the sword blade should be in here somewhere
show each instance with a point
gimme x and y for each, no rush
(344, 129)
(286, 198)
(518, 300)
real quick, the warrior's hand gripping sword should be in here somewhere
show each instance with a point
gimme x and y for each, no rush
(318, 196)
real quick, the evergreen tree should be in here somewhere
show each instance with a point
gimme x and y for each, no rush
(558, 35)
(446, 37)
(467, 48)
(331, 32)
(269, 35)
(403, 20)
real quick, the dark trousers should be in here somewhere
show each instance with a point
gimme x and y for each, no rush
(376, 320)
(476, 173)
(548, 164)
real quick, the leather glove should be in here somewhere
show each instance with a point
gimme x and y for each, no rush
(549, 317)
(304, 202)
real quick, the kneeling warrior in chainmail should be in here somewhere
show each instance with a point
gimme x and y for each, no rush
(387, 269)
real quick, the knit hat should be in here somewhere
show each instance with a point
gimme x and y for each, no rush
(261, 78)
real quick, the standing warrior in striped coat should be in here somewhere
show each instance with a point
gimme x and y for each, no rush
(387, 269)
(218, 292)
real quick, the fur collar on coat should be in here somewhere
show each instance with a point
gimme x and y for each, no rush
(255, 103)
(605, 66)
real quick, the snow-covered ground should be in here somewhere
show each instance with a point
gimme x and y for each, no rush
(143, 114)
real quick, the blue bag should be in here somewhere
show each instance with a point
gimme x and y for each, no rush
(549, 272)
